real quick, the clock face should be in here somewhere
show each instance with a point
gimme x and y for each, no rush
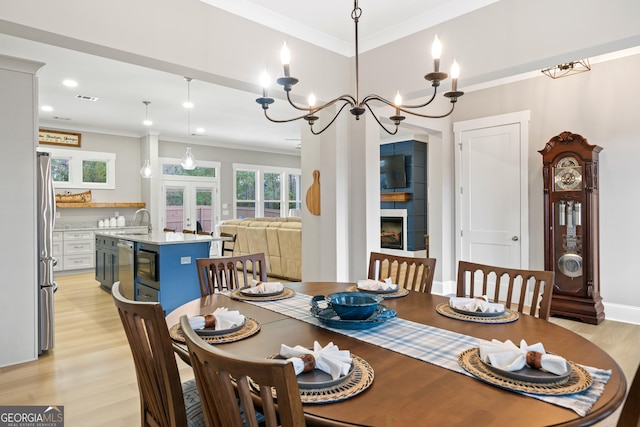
(568, 175)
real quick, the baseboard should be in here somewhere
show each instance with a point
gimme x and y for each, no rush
(447, 288)
(622, 313)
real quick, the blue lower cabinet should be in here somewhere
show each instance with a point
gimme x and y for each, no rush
(176, 275)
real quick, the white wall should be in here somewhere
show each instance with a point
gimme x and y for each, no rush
(18, 254)
(601, 105)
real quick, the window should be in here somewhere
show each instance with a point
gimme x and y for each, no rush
(82, 169)
(245, 193)
(169, 168)
(262, 191)
(295, 191)
(272, 193)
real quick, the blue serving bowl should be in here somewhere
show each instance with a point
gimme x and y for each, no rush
(353, 305)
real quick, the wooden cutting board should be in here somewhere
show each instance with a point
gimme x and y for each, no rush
(313, 194)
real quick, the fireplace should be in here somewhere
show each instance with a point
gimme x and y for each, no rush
(391, 232)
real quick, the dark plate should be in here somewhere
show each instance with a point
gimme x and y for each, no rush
(211, 331)
(330, 318)
(389, 291)
(528, 374)
(478, 313)
(268, 294)
(319, 379)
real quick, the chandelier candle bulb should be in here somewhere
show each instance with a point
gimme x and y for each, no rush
(285, 57)
(455, 73)
(312, 101)
(264, 82)
(398, 99)
(436, 51)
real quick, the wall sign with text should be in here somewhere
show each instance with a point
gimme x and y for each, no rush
(55, 137)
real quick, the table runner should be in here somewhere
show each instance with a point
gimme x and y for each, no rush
(432, 345)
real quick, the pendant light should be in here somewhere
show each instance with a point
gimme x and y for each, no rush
(146, 120)
(188, 161)
(146, 171)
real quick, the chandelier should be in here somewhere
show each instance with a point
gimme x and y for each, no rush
(358, 107)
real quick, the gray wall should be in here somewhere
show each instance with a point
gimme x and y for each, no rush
(602, 105)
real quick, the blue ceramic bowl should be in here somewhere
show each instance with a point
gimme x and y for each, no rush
(353, 305)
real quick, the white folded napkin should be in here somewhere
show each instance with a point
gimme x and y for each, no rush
(329, 359)
(477, 304)
(258, 287)
(509, 357)
(224, 319)
(377, 285)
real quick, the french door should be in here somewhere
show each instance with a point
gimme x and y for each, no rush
(190, 205)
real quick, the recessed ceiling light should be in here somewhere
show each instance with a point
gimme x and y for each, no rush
(70, 83)
(147, 122)
(46, 108)
(187, 104)
(200, 130)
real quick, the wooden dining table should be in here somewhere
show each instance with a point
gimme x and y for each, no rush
(410, 392)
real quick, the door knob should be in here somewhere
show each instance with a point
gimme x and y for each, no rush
(514, 238)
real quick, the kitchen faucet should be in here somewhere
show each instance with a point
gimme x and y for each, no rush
(135, 216)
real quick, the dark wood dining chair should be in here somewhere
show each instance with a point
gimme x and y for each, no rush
(226, 392)
(496, 281)
(228, 245)
(411, 273)
(630, 414)
(164, 400)
(230, 272)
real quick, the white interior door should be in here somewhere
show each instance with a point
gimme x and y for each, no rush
(191, 205)
(492, 212)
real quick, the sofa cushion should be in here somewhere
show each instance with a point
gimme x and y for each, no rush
(280, 239)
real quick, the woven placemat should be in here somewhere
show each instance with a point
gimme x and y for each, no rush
(445, 309)
(286, 293)
(401, 292)
(250, 327)
(359, 380)
(578, 380)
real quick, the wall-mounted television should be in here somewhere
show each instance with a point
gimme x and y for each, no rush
(392, 172)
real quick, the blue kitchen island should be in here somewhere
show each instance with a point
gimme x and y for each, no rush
(159, 266)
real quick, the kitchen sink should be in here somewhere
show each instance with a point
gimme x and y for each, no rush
(133, 233)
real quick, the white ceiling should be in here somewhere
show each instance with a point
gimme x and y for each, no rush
(327, 23)
(228, 115)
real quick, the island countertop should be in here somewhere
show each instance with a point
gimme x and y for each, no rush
(158, 237)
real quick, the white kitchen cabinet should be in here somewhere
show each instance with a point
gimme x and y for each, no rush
(78, 250)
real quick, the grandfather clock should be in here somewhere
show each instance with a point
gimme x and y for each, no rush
(571, 224)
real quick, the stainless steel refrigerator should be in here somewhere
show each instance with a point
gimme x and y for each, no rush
(46, 206)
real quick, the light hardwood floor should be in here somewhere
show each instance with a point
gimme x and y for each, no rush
(90, 371)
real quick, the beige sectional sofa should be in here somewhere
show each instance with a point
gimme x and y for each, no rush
(280, 239)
